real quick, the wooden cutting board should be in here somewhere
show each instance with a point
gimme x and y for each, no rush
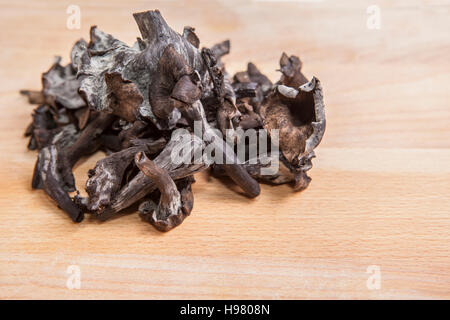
(374, 223)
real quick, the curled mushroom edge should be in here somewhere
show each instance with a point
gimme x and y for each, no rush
(128, 101)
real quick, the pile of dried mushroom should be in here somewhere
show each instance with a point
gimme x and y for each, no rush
(128, 101)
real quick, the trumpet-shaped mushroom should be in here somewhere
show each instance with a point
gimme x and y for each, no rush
(128, 101)
(105, 180)
(141, 185)
(173, 207)
(299, 115)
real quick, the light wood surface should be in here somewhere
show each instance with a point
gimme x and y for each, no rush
(381, 180)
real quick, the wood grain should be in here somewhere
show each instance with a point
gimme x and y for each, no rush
(381, 181)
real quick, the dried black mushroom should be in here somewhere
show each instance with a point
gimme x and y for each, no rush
(130, 102)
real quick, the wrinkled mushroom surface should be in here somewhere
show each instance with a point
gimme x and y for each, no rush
(130, 102)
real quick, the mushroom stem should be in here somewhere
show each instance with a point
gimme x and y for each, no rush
(243, 179)
(159, 176)
(46, 176)
(141, 185)
(88, 141)
(168, 214)
(234, 170)
(105, 179)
